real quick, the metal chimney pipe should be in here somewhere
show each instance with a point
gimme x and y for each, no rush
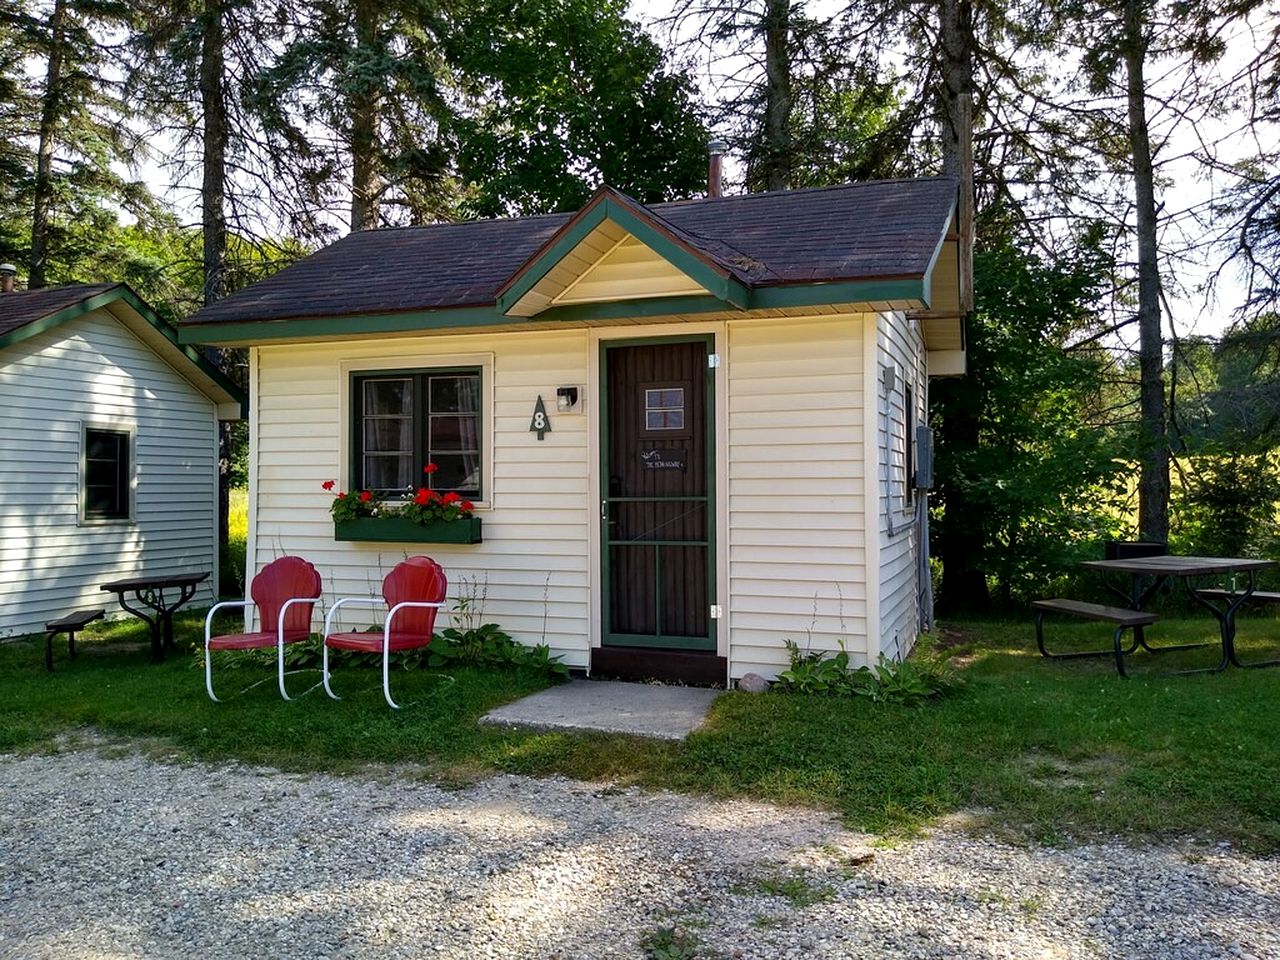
(7, 272)
(715, 177)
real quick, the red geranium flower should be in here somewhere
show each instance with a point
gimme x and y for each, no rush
(342, 496)
(365, 496)
(423, 497)
(328, 485)
(430, 468)
(432, 495)
(467, 506)
(451, 497)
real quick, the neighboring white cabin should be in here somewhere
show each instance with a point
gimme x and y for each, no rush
(108, 453)
(813, 527)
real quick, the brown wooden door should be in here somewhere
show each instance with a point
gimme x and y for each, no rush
(657, 510)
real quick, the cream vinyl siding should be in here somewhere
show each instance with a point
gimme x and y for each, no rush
(92, 371)
(532, 568)
(900, 346)
(797, 559)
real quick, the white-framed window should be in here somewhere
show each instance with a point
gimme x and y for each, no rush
(106, 473)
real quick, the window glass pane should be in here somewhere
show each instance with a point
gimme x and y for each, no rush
(106, 474)
(664, 408)
(382, 397)
(455, 433)
(388, 473)
(457, 471)
(388, 435)
(455, 394)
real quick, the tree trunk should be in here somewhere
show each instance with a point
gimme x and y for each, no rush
(1153, 481)
(36, 276)
(961, 534)
(214, 157)
(366, 179)
(213, 218)
(777, 106)
(955, 30)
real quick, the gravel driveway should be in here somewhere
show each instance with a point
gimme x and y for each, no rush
(108, 856)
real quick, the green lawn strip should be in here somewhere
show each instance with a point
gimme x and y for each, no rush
(1047, 751)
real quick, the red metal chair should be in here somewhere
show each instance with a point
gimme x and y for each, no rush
(413, 593)
(285, 593)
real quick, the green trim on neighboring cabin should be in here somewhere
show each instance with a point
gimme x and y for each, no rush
(610, 205)
(167, 330)
(463, 318)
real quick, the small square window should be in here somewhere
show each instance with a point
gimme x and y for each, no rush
(664, 408)
(105, 483)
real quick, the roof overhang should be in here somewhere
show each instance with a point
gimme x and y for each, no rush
(942, 324)
(162, 337)
(875, 295)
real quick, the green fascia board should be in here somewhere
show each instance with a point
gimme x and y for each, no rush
(124, 293)
(345, 325)
(716, 281)
(839, 291)
(477, 318)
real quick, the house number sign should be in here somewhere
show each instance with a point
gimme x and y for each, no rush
(541, 423)
(662, 459)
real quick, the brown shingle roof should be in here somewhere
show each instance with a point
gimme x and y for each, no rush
(22, 307)
(878, 230)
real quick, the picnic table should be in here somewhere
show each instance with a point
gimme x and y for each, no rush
(155, 599)
(1148, 574)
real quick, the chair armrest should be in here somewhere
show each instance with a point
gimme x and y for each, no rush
(386, 629)
(208, 620)
(339, 604)
(280, 620)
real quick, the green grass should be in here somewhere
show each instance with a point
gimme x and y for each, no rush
(1046, 751)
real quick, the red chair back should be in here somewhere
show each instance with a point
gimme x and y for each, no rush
(284, 579)
(418, 579)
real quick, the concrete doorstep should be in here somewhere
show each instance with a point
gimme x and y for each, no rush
(641, 709)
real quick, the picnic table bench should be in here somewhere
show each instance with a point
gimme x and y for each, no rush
(68, 624)
(1123, 618)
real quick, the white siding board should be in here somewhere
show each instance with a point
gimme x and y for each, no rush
(93, 369)
(796, 531)
(900, 344)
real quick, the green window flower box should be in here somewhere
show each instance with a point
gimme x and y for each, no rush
(400, 530)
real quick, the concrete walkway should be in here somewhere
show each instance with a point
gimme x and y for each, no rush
(642, 709)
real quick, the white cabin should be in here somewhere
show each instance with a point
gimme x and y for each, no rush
(731, 389)
(108, 451)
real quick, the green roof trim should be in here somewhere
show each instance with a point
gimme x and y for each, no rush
(608, 204)
(478, 318)
(122, 292)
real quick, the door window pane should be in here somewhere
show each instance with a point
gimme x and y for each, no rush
(664, 408)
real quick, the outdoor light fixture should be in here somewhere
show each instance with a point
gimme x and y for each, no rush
(566, 398)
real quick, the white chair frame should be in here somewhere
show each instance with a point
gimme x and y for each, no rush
(280, 644)
(386, 638)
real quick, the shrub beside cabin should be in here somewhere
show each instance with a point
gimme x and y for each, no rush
(727, 389)
(108, 451)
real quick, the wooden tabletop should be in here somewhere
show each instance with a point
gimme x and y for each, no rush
(1172, 566)
(158, 582)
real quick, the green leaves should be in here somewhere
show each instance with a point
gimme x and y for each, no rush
(889, 681)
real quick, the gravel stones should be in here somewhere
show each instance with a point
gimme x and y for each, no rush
(125, 857)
